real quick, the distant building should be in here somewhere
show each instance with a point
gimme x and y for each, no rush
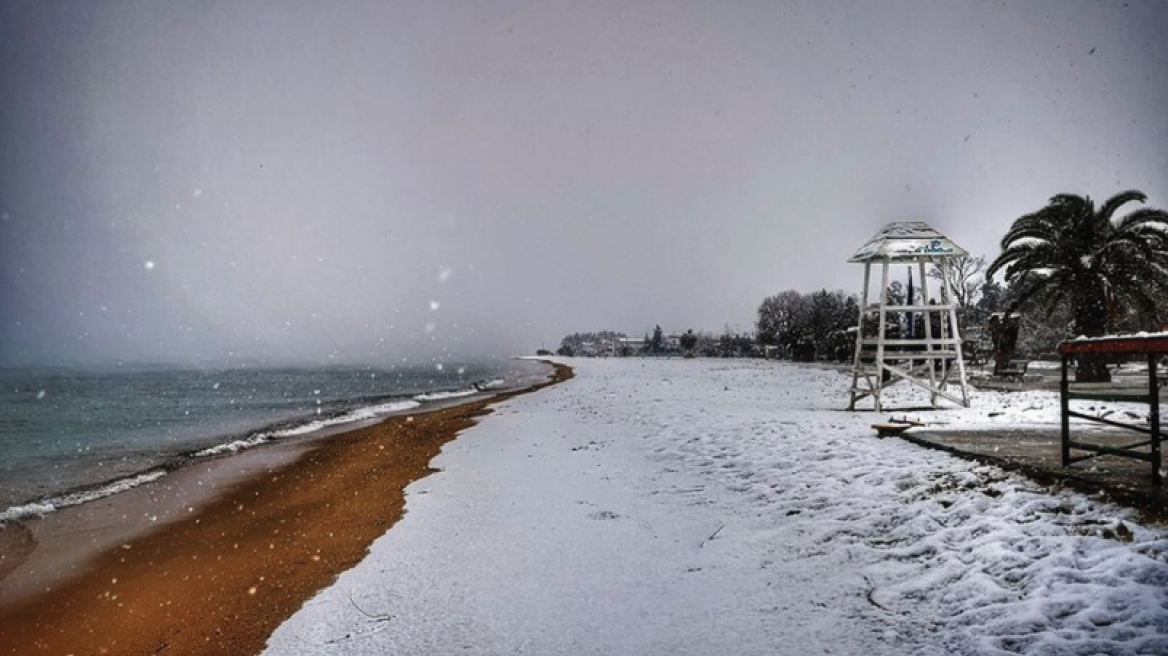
(628, 346)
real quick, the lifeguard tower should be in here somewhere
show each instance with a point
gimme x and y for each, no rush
(917, 342)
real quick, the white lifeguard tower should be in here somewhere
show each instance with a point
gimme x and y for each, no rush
(917, 342)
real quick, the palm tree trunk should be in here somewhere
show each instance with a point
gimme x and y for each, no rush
(1092, 368)
(1091, 320)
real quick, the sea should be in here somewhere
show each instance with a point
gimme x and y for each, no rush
(73, 435)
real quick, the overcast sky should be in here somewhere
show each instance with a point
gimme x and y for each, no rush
(371, 181)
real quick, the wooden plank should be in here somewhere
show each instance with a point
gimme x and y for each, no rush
(890, 429)
(1108, 450)
(1157, 343)
(1115, 397)
(1110, 422)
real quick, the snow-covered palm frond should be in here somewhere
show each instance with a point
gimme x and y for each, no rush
(1124, 246)
(1027, 250)
(1147, 218)
(1033, 234)
(1030, 246)
(1037, 225)
(1033, 263)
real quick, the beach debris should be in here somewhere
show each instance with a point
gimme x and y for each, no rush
(712, 536)
(871, 594)
(905, 419)
(376, 618)
(1123, 533)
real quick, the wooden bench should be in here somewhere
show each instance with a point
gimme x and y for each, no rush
(1015, 371)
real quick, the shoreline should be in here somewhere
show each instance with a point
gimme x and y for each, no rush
(87, 520)
(280, 426)
(61, 545)
(221, 577)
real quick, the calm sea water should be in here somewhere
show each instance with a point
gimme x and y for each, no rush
(69, 436)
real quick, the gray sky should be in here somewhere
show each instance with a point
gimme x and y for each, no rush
(372, 181)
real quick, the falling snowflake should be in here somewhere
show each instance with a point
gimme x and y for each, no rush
(434, 305)
(444, 274)
(149, 264)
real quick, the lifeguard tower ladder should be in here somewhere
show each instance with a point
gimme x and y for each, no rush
(928, 352)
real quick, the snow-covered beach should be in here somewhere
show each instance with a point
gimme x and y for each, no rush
(732, 507)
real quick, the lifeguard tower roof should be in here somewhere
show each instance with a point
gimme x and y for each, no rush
(907, 241)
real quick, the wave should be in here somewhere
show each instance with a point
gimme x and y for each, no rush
(231, 447)
(447, 395)
(53, 504)
(307, 427)
(476, 388)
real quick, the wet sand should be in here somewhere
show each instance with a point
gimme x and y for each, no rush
(219, 577)
(62, 545)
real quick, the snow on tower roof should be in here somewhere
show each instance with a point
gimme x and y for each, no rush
(907, 241)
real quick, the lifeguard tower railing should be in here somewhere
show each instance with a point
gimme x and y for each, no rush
(1152, 348)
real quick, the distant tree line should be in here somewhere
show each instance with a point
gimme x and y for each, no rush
(728, 344)
(691, 343)
(1071, 268)
(590, 343)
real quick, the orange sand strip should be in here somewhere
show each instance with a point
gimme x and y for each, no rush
(223, 580)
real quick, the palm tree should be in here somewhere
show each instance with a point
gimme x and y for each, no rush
(1070, 252)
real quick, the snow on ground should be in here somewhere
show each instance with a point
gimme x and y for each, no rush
(731, 507)
(1023, 408)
